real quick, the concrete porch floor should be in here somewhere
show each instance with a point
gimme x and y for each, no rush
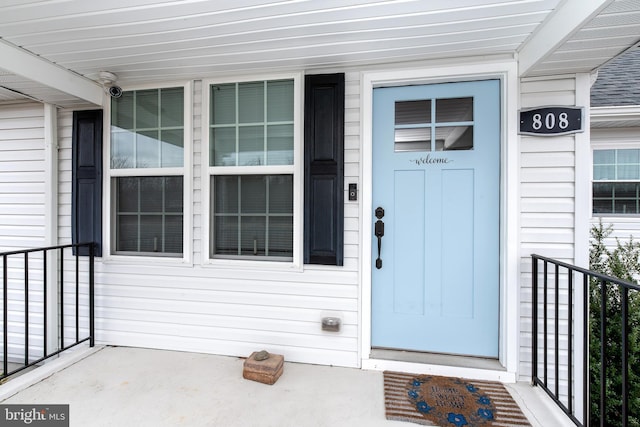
(119, 386)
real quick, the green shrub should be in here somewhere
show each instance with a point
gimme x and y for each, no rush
(622, 262)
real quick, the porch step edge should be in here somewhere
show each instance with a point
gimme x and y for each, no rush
(64, 360)
(537, 406)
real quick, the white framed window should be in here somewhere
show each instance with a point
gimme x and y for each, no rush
(616, 181)
(252, 172)
(149, 172)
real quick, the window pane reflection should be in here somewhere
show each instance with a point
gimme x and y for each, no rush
(616, 198)
(280, 94)
(414, 139)
(280, 145)
(122, 143)
(172, 147)
(147, 149)
(251, 102)
(149, 214)
(262, 132)
(454, 110)
(147, 129)
(452, 129)
(147, 109)
(449, 138)
(253, 215)
(413, 112)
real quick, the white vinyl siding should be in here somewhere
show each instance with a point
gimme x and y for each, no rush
(65, 131)
(624, 228)
(23, 217)
(222, 310)
(22, 176)
(548, 204)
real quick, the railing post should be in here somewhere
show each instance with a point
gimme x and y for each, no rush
(92, 324)
(51, 302)
(585, 352)
(534, 347)
(45, 311)
(545, 327)
(77, 298)
(603, 349)
(61, 344)
(556, 325)
(5, 317)
(570, 341)
(625, 355)
(26, 308)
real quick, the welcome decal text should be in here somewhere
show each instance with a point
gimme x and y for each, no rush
(428, 160)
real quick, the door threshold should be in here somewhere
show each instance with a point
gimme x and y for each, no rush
(437, 359)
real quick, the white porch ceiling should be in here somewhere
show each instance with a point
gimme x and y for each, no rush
(156, 40)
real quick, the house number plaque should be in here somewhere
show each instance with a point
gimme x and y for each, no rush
(551, 121)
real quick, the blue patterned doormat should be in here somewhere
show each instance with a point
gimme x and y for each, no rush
(449, 402)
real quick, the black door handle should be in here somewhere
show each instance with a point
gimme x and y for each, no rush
(379, 232)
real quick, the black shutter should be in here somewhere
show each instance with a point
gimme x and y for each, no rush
(324, 169)
(86, 180)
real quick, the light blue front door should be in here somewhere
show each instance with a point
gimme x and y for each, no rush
(436, 176)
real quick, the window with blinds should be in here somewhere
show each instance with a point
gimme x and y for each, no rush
(147, 172)
(616, 181)
(251, 170)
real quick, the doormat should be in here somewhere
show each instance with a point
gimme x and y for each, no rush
(445, 401)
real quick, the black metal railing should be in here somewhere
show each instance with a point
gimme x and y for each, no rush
(27, 302)
(554, 305)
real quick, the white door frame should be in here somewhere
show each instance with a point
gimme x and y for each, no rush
(506, 72)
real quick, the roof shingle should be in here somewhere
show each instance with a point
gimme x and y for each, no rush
(618, 81)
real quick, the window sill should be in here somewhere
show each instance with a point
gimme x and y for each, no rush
(615, 215)
(243, 264)
(147, 260)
